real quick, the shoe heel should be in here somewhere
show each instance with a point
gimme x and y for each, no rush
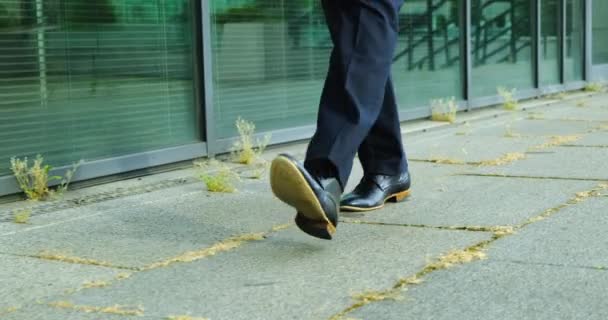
(401, 196)
(319, 229)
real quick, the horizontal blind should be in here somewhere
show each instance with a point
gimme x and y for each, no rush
(85, 80)
(269, 62)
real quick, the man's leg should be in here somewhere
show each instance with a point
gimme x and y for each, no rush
(364, 33)
(381, 153)
(385, 169)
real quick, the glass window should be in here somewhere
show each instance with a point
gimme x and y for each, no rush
(575, 41)
(501, 45)
(427, 62)
(550, 62)
(83, 79)
(270, 59)
(600, 32)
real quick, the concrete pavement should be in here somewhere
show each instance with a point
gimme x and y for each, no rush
(507, 221)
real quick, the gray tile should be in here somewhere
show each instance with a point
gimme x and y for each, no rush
(562, 162)
(288, 276)
(575, 236)
(474, 201)
(490, 290)
(471, 148)
(25, 280)
(137, 231)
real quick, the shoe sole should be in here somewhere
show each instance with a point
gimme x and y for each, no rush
(289, 185)
(397, 197)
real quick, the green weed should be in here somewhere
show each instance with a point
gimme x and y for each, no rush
(22, 216)
(594, 87)
(509, 101)
(444, 110)
(246, 150)
(222, 180)
(34, 180)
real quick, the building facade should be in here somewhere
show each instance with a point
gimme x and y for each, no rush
(132, 84)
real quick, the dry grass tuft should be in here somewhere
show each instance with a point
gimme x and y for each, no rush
(246, 150)
(502, 231)
(444, 110)
(439, 160)
(506, 159)
(457, 257)
(409, 281)
(222, 246)
(556, 141)
(22, 217)
(115, 310)
(281, 227)
(222, 180)
(123, 275)
(46, 255)
(594, 87)
(508, 97)
(373, 296)
(96, 284)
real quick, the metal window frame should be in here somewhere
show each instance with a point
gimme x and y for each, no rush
(588, 36)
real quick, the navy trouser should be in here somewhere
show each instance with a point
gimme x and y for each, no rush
(358, 111)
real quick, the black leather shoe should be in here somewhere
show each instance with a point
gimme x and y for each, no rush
(375, 190)
(316, 199)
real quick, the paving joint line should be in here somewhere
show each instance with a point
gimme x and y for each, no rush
(459, 257)
(492, 229)
(56, 257)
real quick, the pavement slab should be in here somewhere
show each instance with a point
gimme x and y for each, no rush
(287, 276)
(591, 112)
(596, 139)
(538, 128)
(499, 290)
(470, 148)
(25, 280)
(576, 236)
(153, 228)
(559, 162)
(453, 200)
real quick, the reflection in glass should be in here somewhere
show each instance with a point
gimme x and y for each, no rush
(550, 64)
(575, 41)
(84, 79)
(270, 59)
(600, 32)
(501, 45)
(427, 61)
